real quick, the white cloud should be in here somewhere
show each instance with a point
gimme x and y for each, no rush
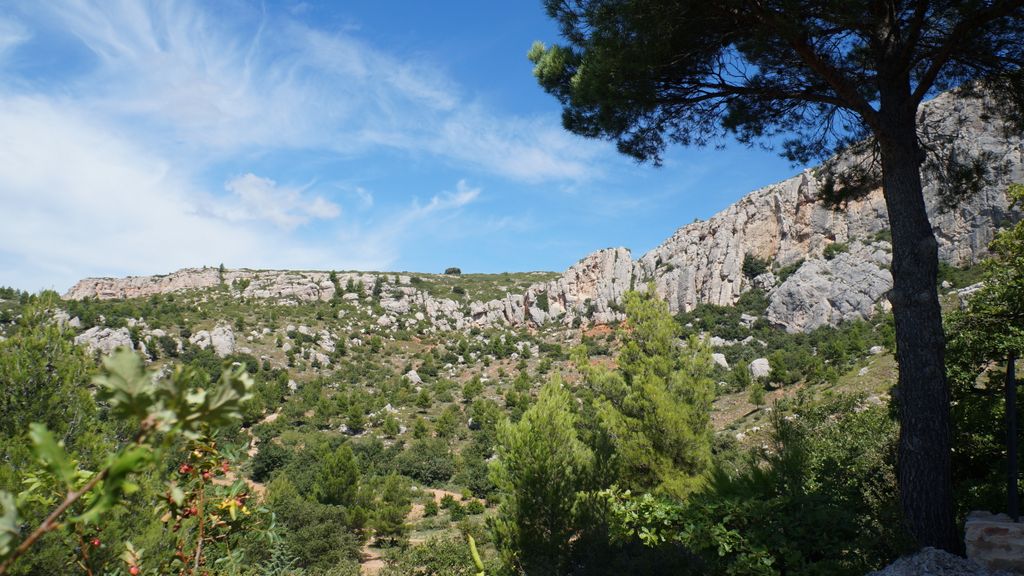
(255, 83)
(106, 174)
(82, 199)
(258, 198)
(462, 195)
(365, 197)
(382, 241)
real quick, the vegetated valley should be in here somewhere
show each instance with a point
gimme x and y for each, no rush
(719, 406)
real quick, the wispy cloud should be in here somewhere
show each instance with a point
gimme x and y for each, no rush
(12, 33)
(365, 197)
(114, 208)
(278, 83)
(257, 198)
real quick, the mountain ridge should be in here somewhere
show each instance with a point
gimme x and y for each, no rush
(784, 223)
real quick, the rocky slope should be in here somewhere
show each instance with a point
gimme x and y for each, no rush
(701, 263)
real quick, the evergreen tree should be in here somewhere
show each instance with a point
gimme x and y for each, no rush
(541, 466)
(657, 414)
(338, 479)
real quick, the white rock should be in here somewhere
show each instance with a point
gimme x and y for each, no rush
(760, 368)
(105, 340)
(222, 338)
(720, 360)
(201, 339)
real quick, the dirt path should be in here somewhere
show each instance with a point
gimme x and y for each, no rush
(371, 561)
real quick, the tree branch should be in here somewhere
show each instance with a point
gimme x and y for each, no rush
(832, 76)
(955, 37)
(52, 521)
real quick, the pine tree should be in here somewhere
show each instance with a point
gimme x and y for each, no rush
(338, 479)
(541, 466)
(820, 76)
(657, 413)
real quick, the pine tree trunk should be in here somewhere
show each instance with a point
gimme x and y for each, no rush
(923, 459)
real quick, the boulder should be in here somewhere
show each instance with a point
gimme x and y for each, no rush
(720, 360)
(200, 338)
(105, 340)
(222, 338)
(932, 562)
(760, 369)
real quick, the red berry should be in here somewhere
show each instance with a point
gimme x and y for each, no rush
(206, 475)
(184, 468)
(134, 571)
(95, 542)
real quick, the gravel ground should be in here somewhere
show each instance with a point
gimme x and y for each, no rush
(932, 562)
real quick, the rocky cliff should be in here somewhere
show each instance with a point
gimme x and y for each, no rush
(702, 262)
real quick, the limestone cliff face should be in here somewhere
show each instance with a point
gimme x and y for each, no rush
(701, 262)
(785, 223)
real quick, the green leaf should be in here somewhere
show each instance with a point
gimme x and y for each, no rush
(177, 495)
(51, 454)
(116, 484)
(9, 523)
(126, 385)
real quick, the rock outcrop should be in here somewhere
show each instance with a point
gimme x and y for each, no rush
(701, 263)
(221, 339)
(104, 340)
(785, 222)
(932, 562)
(825, 292)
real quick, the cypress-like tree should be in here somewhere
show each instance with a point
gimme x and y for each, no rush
(338, 480)
(541, 466)
(658, 418)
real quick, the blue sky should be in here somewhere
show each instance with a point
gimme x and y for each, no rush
(143, 137)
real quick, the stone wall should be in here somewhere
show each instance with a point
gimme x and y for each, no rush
(995, 541)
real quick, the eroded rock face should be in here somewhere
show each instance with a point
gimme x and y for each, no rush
(785, 223)
(104, 340)
(825, 292)
(222, 338)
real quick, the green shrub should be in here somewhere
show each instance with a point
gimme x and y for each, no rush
(786, 271)
(457, 512)
(475, 507)
(542, 301)
(430, 508)
(754, 266)
(428, 461)
(448, 557)
(835, 249)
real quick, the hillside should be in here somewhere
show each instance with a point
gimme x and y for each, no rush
(784, 224)
(777, 304)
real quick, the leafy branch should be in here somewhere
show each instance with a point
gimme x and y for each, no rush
(165, 409)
